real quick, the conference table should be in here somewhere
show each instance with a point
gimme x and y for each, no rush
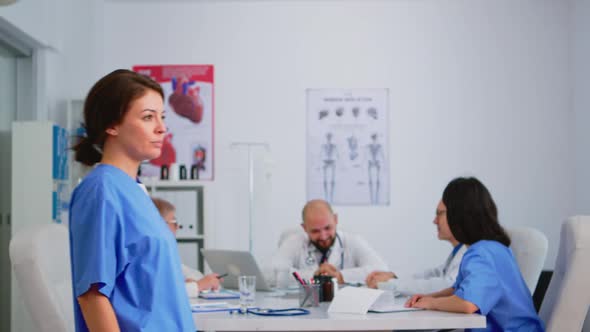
(321, 320)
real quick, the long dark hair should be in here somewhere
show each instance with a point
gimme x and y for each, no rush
(471, 212)
(105, 106)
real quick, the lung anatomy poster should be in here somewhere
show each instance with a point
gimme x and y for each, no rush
(188, 101)
(347, 146)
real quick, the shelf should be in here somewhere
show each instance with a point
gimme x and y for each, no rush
(175, 183)
(191, 238)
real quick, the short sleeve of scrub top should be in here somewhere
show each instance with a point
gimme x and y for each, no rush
(477, 281)
(98, 237)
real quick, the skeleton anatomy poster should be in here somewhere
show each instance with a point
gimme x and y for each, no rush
(347, 146)
(188, 102)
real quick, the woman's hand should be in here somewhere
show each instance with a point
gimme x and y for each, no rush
(412, 300)
(209, 282)
(425, 302)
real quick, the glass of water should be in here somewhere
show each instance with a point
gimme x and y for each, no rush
(247, 286)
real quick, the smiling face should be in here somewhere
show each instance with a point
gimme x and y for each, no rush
(442, 224)
(320, 225)
(141, 132)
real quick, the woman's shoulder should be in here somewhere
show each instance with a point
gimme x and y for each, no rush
(486, 247)
(99, 181)
(103, 175)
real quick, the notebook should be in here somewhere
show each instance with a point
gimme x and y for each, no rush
(234, 263)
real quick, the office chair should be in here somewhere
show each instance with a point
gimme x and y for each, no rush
(288, 233)
(568, 297)
(530, 250)
(40, 259)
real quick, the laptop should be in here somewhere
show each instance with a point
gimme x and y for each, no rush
(234, 263)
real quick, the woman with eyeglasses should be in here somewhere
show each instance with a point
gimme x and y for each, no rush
(489, 280)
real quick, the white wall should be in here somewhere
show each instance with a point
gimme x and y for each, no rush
(36, 18)
(580, 72)
(477, 88)
(82, 46)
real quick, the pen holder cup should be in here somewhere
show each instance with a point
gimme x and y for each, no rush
(309, 295)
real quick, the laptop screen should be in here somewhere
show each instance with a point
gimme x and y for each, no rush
(234, 263)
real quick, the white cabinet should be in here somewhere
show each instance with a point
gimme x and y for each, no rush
(190, 199)
(40, 183)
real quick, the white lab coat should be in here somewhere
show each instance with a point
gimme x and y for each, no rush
(192, 289)
(350, 254)
(429, 280)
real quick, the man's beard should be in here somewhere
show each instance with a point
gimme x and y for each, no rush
(325, 248)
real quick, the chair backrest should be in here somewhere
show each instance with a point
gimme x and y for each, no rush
(288, 233)
(530, 250)
(40, 259)
(567, 298)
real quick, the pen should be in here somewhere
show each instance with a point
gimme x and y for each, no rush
(298, 277)
(222, 275)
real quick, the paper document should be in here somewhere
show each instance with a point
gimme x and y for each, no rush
(388, 302)
(213, 306)
(209, 304)
(354, 300)
(218, 295)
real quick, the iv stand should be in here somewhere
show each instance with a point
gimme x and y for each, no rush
(249, 146)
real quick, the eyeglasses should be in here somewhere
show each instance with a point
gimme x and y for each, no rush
(440, 212)
(172, 223)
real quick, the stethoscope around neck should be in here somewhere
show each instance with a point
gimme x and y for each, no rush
(310, 260)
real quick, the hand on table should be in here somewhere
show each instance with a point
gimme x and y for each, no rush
(376, 277)
(327, 269)
(208, 282)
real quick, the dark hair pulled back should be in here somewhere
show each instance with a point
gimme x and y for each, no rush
(105, 106)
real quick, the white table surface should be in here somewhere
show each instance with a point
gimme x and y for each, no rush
(320, 320)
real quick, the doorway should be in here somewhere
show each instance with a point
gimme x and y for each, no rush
(16, 102)
(8, 105)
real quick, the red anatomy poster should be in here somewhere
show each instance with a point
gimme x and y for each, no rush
(188, 101)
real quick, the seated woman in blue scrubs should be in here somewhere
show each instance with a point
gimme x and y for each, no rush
(126, 272)
(489, 280)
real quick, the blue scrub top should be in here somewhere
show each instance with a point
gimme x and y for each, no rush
(119, 241)
(489, 277)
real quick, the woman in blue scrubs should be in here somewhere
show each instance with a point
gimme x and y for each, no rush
(489, 280)
(126, 271)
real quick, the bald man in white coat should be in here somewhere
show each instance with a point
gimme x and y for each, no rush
(322, 250)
